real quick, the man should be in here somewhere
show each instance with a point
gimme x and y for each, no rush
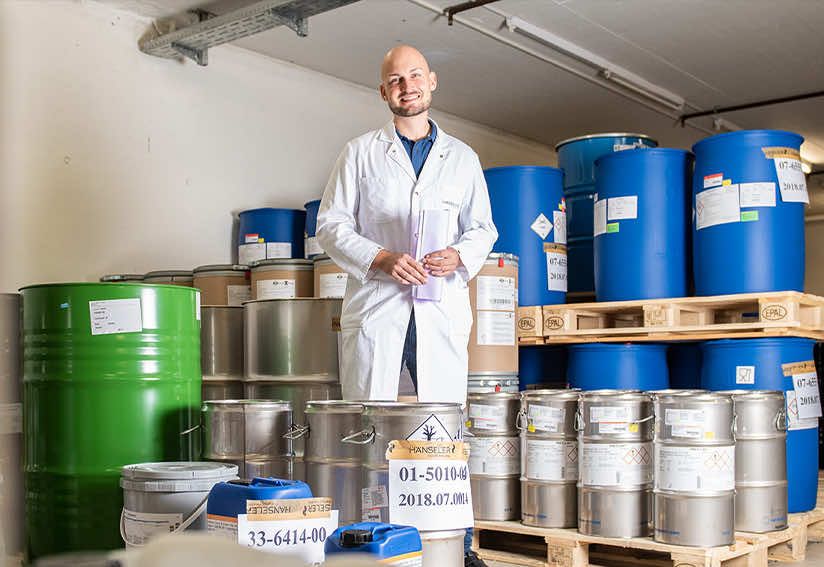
(367, 224)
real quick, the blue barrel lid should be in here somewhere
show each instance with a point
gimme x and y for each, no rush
(229, 498)
(604, 135)
(374, 538)
(628, 154)
(617, 346)
(748, 133)
(313, 202)
(767, 341)
(524, 168)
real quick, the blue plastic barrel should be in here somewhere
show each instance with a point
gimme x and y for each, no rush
(756, 364)
(387, 543)
(542, 366)
(684, 361)
(227, 500)
(576, 157)
(311, 247)
(642, 224)
(270, 233)
(618, 367)
(529, 212)
(748, 234)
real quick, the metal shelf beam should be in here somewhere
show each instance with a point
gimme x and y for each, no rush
(195, 40)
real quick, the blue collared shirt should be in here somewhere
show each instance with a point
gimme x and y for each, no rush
(418, 150)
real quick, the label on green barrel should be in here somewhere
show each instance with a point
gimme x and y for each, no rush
(111, 316)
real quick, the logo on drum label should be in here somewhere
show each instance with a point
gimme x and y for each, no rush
(431, 430)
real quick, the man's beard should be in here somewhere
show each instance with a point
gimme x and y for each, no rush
(411, 111)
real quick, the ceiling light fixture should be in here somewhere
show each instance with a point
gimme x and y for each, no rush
(606, 69)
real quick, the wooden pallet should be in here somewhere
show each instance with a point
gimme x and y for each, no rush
(787, 313)
(511, 542)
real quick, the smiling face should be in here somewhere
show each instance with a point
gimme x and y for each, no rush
(406, 81)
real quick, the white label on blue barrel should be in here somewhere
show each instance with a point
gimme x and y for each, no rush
(251, 252)
(275, 289)
(717, 206)
(600, 217)
(803, 401)
(495, 328)
(616, 464)
(619, 208)
(687, 469)
(296, 527)
(112, 316)
(791, 180)
(495, 293)
(556, 267)
(138, 527)
(541, 226)
(559, 217)
(549, 459)
(795, 423)
(278, 250)
(429, 485)
(713, 180)
(757, 194)
(495, 455)
(745, 374)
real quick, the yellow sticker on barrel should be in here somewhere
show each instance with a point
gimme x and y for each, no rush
(530, 428)
(792, 368)
(633, 428)
(773, 152)
(726, 182)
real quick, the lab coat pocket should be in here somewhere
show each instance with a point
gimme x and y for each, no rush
(377, 204)
(452, 199)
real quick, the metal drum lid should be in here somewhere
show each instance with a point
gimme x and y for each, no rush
(244, 405)
(285, 263)
(333, 406)
(508, 259)
(113, 278)
(221, 270)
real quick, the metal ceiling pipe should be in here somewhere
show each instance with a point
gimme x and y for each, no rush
(749, 105)
(450, 11)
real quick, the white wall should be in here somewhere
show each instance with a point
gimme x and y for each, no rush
(115, 161)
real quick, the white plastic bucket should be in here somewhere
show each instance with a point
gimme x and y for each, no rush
(170, 497)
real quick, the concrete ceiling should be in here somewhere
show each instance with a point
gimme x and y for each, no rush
(710, 52)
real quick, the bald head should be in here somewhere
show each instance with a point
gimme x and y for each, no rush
(406, 81)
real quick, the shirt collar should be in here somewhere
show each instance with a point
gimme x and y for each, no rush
(433, 134)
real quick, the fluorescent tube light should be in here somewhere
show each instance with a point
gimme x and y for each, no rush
(606, 69)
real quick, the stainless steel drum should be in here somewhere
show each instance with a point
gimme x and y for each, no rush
(615, 451)
(292, 340)
(494, 455)
(221, 352)
(480, 383)
(549, 458)
(694, 469)
(760, 460)
(383, 422)
(332, 467)
(11, 428)
(250, 434)
(297, 394)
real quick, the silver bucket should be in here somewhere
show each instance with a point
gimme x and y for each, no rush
(549, 458)
(249, 434)
(694, 469)
(494, 456)
(615, 451)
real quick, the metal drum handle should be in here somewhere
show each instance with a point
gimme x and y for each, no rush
(521, 421)
(734, 426)
(644, 420)
(579, 421)
(781, 423)
(190, 430)
(367, 436)
(296, 431)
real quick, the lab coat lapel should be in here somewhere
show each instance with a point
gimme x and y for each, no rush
(396, 152)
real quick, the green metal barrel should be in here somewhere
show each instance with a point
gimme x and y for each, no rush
(111, 376)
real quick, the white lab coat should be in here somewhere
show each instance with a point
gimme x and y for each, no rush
(373, 202)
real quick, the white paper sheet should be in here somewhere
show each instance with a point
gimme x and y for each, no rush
(433, 229)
